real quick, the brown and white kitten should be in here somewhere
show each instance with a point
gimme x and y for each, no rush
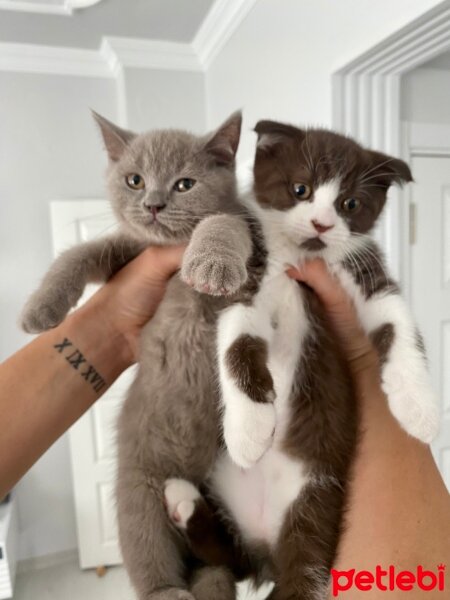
(290, 417)
(165, 187)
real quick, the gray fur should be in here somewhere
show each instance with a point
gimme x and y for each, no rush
(214, 583)
(169, 424)
(64, 283)
(213, 261)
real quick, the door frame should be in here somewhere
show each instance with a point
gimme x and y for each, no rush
(418, 139)
(366, 105)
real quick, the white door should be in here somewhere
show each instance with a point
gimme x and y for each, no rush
(92, 437)
(430, 281)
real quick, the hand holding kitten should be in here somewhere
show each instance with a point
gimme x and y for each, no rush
(359, 351)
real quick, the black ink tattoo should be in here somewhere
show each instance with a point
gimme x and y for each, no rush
(75, 359)
(64, 344)
(94, 378)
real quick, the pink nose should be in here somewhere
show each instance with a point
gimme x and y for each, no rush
(321, 228)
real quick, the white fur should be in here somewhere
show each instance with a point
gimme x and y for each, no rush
(258, 498)
(180, 496)
(276, 315)
(405, 377)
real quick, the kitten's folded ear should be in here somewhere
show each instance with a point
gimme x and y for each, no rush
(224, 142)
(114, 138)
(271, 133)
(387, 170)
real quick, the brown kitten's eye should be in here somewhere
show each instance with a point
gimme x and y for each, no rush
(135, 181)
(302, 191)
(350, 205)
(184, 185)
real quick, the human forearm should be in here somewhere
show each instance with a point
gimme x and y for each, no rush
(399, 509)
(50, 383)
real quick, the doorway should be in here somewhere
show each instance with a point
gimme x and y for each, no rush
(396, 98)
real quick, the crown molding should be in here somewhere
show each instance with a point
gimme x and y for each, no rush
(148, 54)
(115, 53)
(414, 44)
(63, 7)
(219, 25)
(53, 60)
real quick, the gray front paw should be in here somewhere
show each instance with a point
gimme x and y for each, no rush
(44, 310)
(213, 274)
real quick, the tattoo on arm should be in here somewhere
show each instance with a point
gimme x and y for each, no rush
(78, 362)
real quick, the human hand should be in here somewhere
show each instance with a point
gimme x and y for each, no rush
(131, 297)
(397, 498)
(359, 351)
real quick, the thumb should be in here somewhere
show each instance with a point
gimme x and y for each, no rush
(159, 263)
(340, 311)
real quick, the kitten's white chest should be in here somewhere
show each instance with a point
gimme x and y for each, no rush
(259, 497)
(280, 300)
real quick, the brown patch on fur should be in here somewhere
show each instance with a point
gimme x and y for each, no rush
(286, 155)
(313, 244)
(246, 360)
(369, 271)
(214, 543)
(382, 339)
(420, 344)
(256, 265)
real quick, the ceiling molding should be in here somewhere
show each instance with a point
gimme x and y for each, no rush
(52, 7)
(148, 54)
(53, 60)
(416, 43)
(115, 53)
(219, 25)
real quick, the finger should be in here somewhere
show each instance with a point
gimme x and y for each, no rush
(315, 274)
(340, 310)
(161, 262)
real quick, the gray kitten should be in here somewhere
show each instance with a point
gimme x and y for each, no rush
(165, 187)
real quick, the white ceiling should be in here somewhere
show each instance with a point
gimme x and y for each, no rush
(440, 62)
(171, 20)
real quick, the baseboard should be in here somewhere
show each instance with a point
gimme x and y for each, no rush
(37, 563)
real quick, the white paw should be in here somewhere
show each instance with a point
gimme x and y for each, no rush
(412, 403)
(180, 496)
(248, 431)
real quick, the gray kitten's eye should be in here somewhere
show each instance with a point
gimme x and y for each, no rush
(135, 181)
(184, 185)
(350, 205)
(302, 191)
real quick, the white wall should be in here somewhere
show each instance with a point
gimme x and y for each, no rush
(279, 62)
(49, 149)
(164, 99)
(426, 96)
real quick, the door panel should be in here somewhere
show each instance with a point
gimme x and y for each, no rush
(430, 282)
(92, 438)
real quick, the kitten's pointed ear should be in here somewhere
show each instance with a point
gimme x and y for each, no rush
(115, 138)
(387, 170)
(224, 142)
(271, 133)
